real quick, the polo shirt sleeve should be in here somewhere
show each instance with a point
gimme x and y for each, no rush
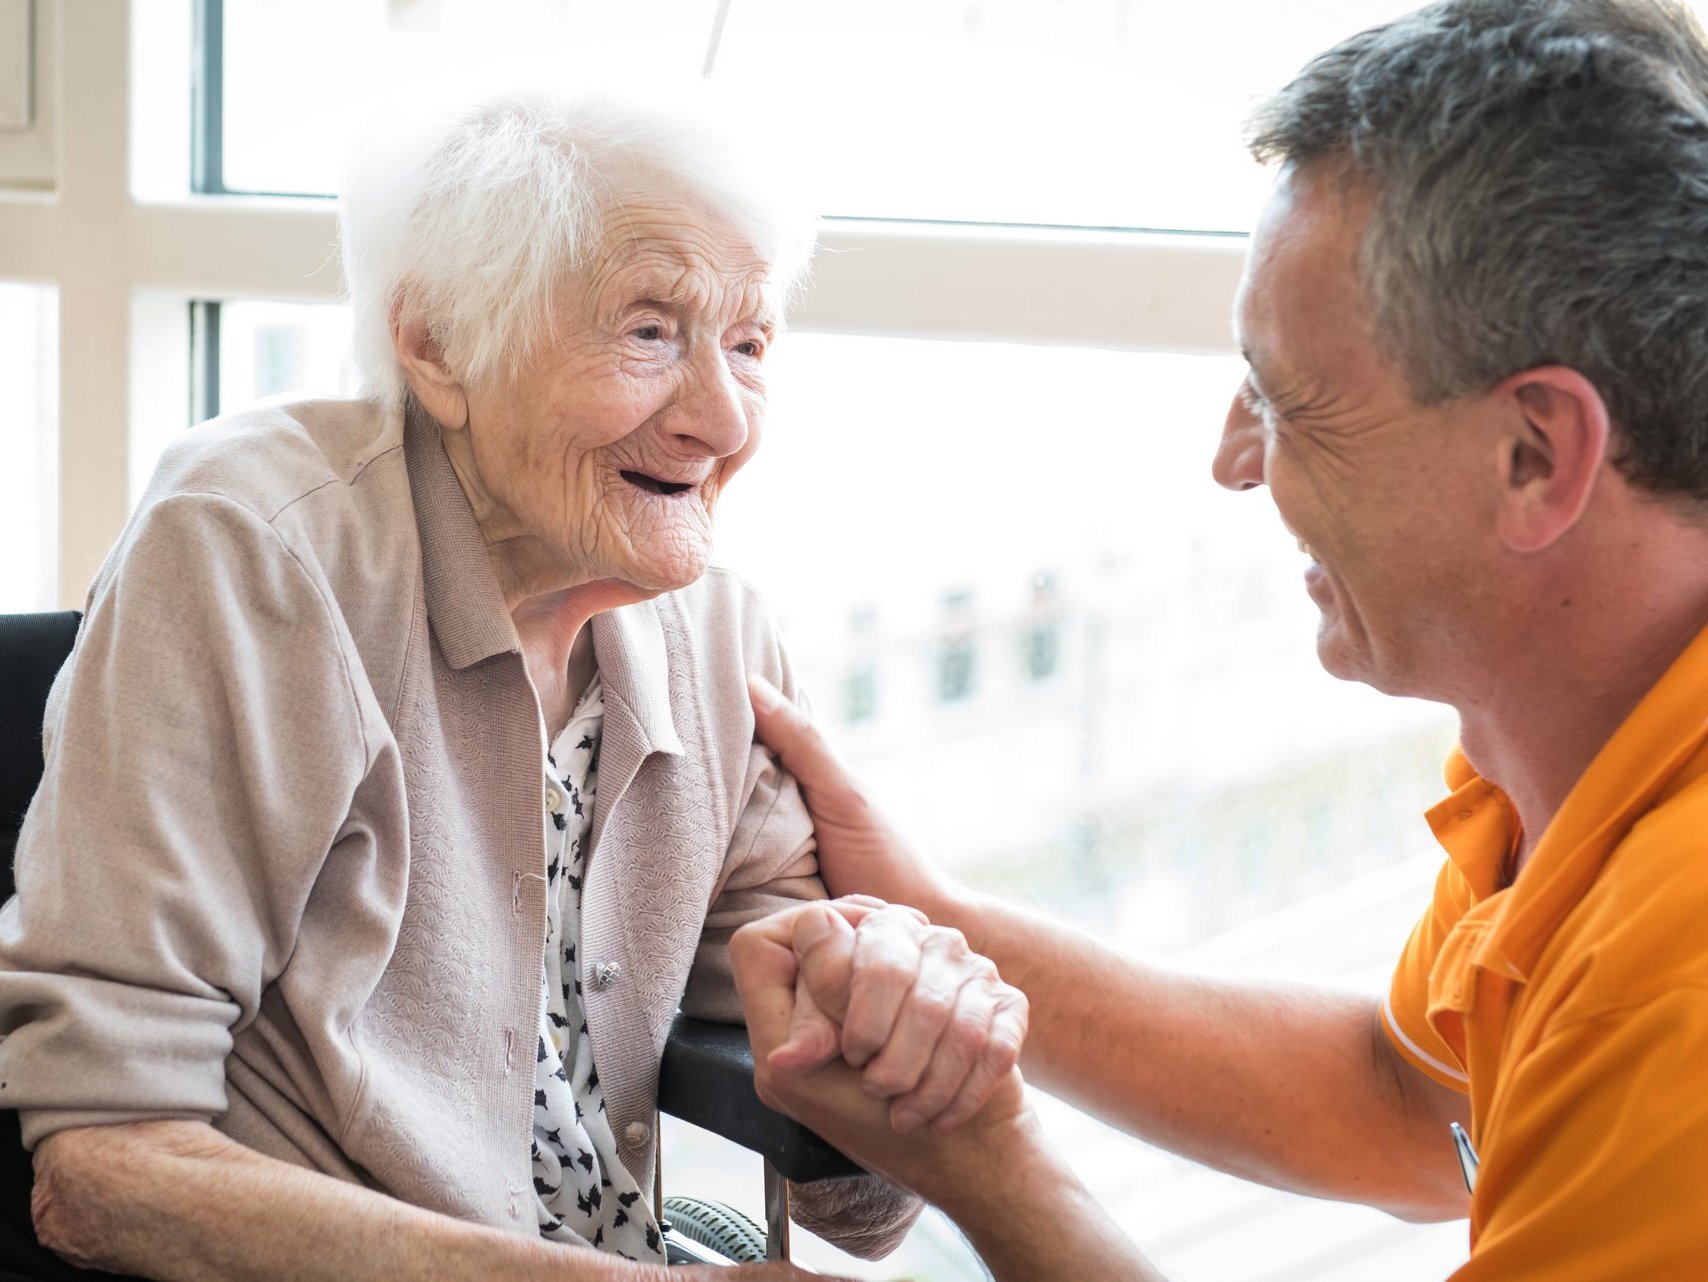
(1405, 1008)
(202, 744)
(1595, 1157)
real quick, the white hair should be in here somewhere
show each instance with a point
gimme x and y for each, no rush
(469, 224)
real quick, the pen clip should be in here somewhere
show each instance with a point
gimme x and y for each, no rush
(1467, 1156)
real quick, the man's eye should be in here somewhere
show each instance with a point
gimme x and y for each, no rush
(752, 347)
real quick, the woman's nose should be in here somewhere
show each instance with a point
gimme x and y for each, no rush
(713, 412)
(1238, 464)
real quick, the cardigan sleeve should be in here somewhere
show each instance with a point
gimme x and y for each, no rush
(201, 746)
(771, 861)
(771, 864)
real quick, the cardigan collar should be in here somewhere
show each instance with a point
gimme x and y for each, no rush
(467, 614)
(465, 608)
(634, 664)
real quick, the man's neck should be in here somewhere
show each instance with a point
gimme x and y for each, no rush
(1536, 725)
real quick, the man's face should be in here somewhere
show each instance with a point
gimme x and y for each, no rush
(1392, 502)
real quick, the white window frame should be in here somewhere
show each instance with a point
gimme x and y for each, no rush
(26, 152)
(126, 268)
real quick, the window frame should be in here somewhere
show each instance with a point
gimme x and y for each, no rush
(27, 153)
(127, 267)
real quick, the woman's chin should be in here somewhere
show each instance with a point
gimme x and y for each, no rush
(668, 573)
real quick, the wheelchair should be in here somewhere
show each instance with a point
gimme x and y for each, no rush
(705, 1079)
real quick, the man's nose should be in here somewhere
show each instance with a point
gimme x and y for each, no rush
(1238, 464)
(713, 413)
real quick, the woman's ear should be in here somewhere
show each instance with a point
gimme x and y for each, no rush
(1552, 455)
(423, 366)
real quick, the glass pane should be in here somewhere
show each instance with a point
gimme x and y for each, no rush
(29, 447)
(1106, 113)
(369, 52)
(1115, 113)
(266, 349)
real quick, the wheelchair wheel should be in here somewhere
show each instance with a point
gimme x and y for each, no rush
(717, 1227)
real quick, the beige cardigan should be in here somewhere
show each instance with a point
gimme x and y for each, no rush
(285, 872)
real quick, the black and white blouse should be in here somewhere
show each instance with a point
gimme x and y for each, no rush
(582, 1190)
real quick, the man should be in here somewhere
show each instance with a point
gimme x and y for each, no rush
(1475, 313)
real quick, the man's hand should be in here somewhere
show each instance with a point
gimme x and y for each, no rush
(933, 1029)
(858, 851)
(798, 1067)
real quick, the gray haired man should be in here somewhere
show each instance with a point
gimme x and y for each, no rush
(1475, 315)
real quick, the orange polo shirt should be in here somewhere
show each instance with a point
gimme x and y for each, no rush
(1573, 1006)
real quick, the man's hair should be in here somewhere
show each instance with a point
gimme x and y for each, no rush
(1540, 175)
(469, 222)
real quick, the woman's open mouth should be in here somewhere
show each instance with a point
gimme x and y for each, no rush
(655, 486)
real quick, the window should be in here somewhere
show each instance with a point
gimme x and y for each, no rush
(1030, 99)
(28, 101)
(1041, 631)
(860, 686)
(957, 648)
(982, 513)
(258, 349)
(29, 343)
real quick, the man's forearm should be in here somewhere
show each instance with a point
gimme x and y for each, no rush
(1290, 1087)
(180, 1202)
(1031, 1220)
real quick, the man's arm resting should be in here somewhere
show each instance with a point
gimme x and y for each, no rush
(1289, 1086)
(1023, 1209)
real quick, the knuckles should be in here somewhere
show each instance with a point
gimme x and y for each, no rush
(887, 972)
(935, 1004)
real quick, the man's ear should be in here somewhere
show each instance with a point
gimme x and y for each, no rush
(1553, 453)
(423, 366)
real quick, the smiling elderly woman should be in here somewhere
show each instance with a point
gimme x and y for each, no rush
(380, 701)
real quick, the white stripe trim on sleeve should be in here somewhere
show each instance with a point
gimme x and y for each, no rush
(1446, 1070)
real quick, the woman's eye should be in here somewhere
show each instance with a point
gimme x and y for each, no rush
(649, 333)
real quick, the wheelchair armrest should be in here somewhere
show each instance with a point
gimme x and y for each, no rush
(706, 1078)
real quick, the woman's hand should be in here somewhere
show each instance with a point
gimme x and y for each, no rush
(931, 1031)
(858, 851)
(928, 1022)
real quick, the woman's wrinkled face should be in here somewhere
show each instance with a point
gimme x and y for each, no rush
(604, 457)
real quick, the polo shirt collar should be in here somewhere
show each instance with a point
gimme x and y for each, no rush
(1476, 825)
(1624, 781)
(465, 607)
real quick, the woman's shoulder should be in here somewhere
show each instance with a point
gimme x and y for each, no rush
(318, 484)
(270, 457)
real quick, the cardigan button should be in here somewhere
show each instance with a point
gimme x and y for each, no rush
(606, 974)
(636, 1134)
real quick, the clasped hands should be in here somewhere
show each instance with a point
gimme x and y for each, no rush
(884, 1033)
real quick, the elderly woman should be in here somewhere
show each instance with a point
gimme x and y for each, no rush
(402, 782)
